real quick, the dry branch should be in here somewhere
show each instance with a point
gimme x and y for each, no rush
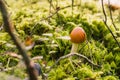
(51, 15)
(51, 4)
(105, 22)
(111, 15)
(10, 29)
(73, 54)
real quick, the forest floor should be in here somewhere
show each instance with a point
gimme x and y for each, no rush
(44, 27)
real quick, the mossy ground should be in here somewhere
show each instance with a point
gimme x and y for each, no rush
(30, 18)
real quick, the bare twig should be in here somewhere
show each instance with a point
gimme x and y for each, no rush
(6, 3)
(105, 22)
(42, 20)
(74, 54)
(72, 6)
(51, 4)
(111, 16)
(69, 6)
(10, 29)
(56, 4)
(57, 10)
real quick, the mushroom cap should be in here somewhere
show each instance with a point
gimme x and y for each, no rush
(78, 35)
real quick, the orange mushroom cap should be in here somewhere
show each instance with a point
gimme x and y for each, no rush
(78, 35)
(28, 41)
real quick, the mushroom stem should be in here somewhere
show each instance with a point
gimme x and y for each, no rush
(74, 48)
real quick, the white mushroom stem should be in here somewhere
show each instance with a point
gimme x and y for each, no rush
(74, 48)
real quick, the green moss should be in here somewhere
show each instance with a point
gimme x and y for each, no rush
(57, 74)
(110, 78)
(33, 18)
(84, 73)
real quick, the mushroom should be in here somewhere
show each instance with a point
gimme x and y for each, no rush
(29, 43)
(77, 36)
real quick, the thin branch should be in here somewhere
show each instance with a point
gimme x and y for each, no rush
(51, 4)
(10, 29)
(42, 20)
(50, 16)
(50, 1)
(111, 16)
(105, 22)
(69, 6)
(57, 12)
(56, 4)
(6, 3)
(73, 54)
(72, 6)
(105, 15)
